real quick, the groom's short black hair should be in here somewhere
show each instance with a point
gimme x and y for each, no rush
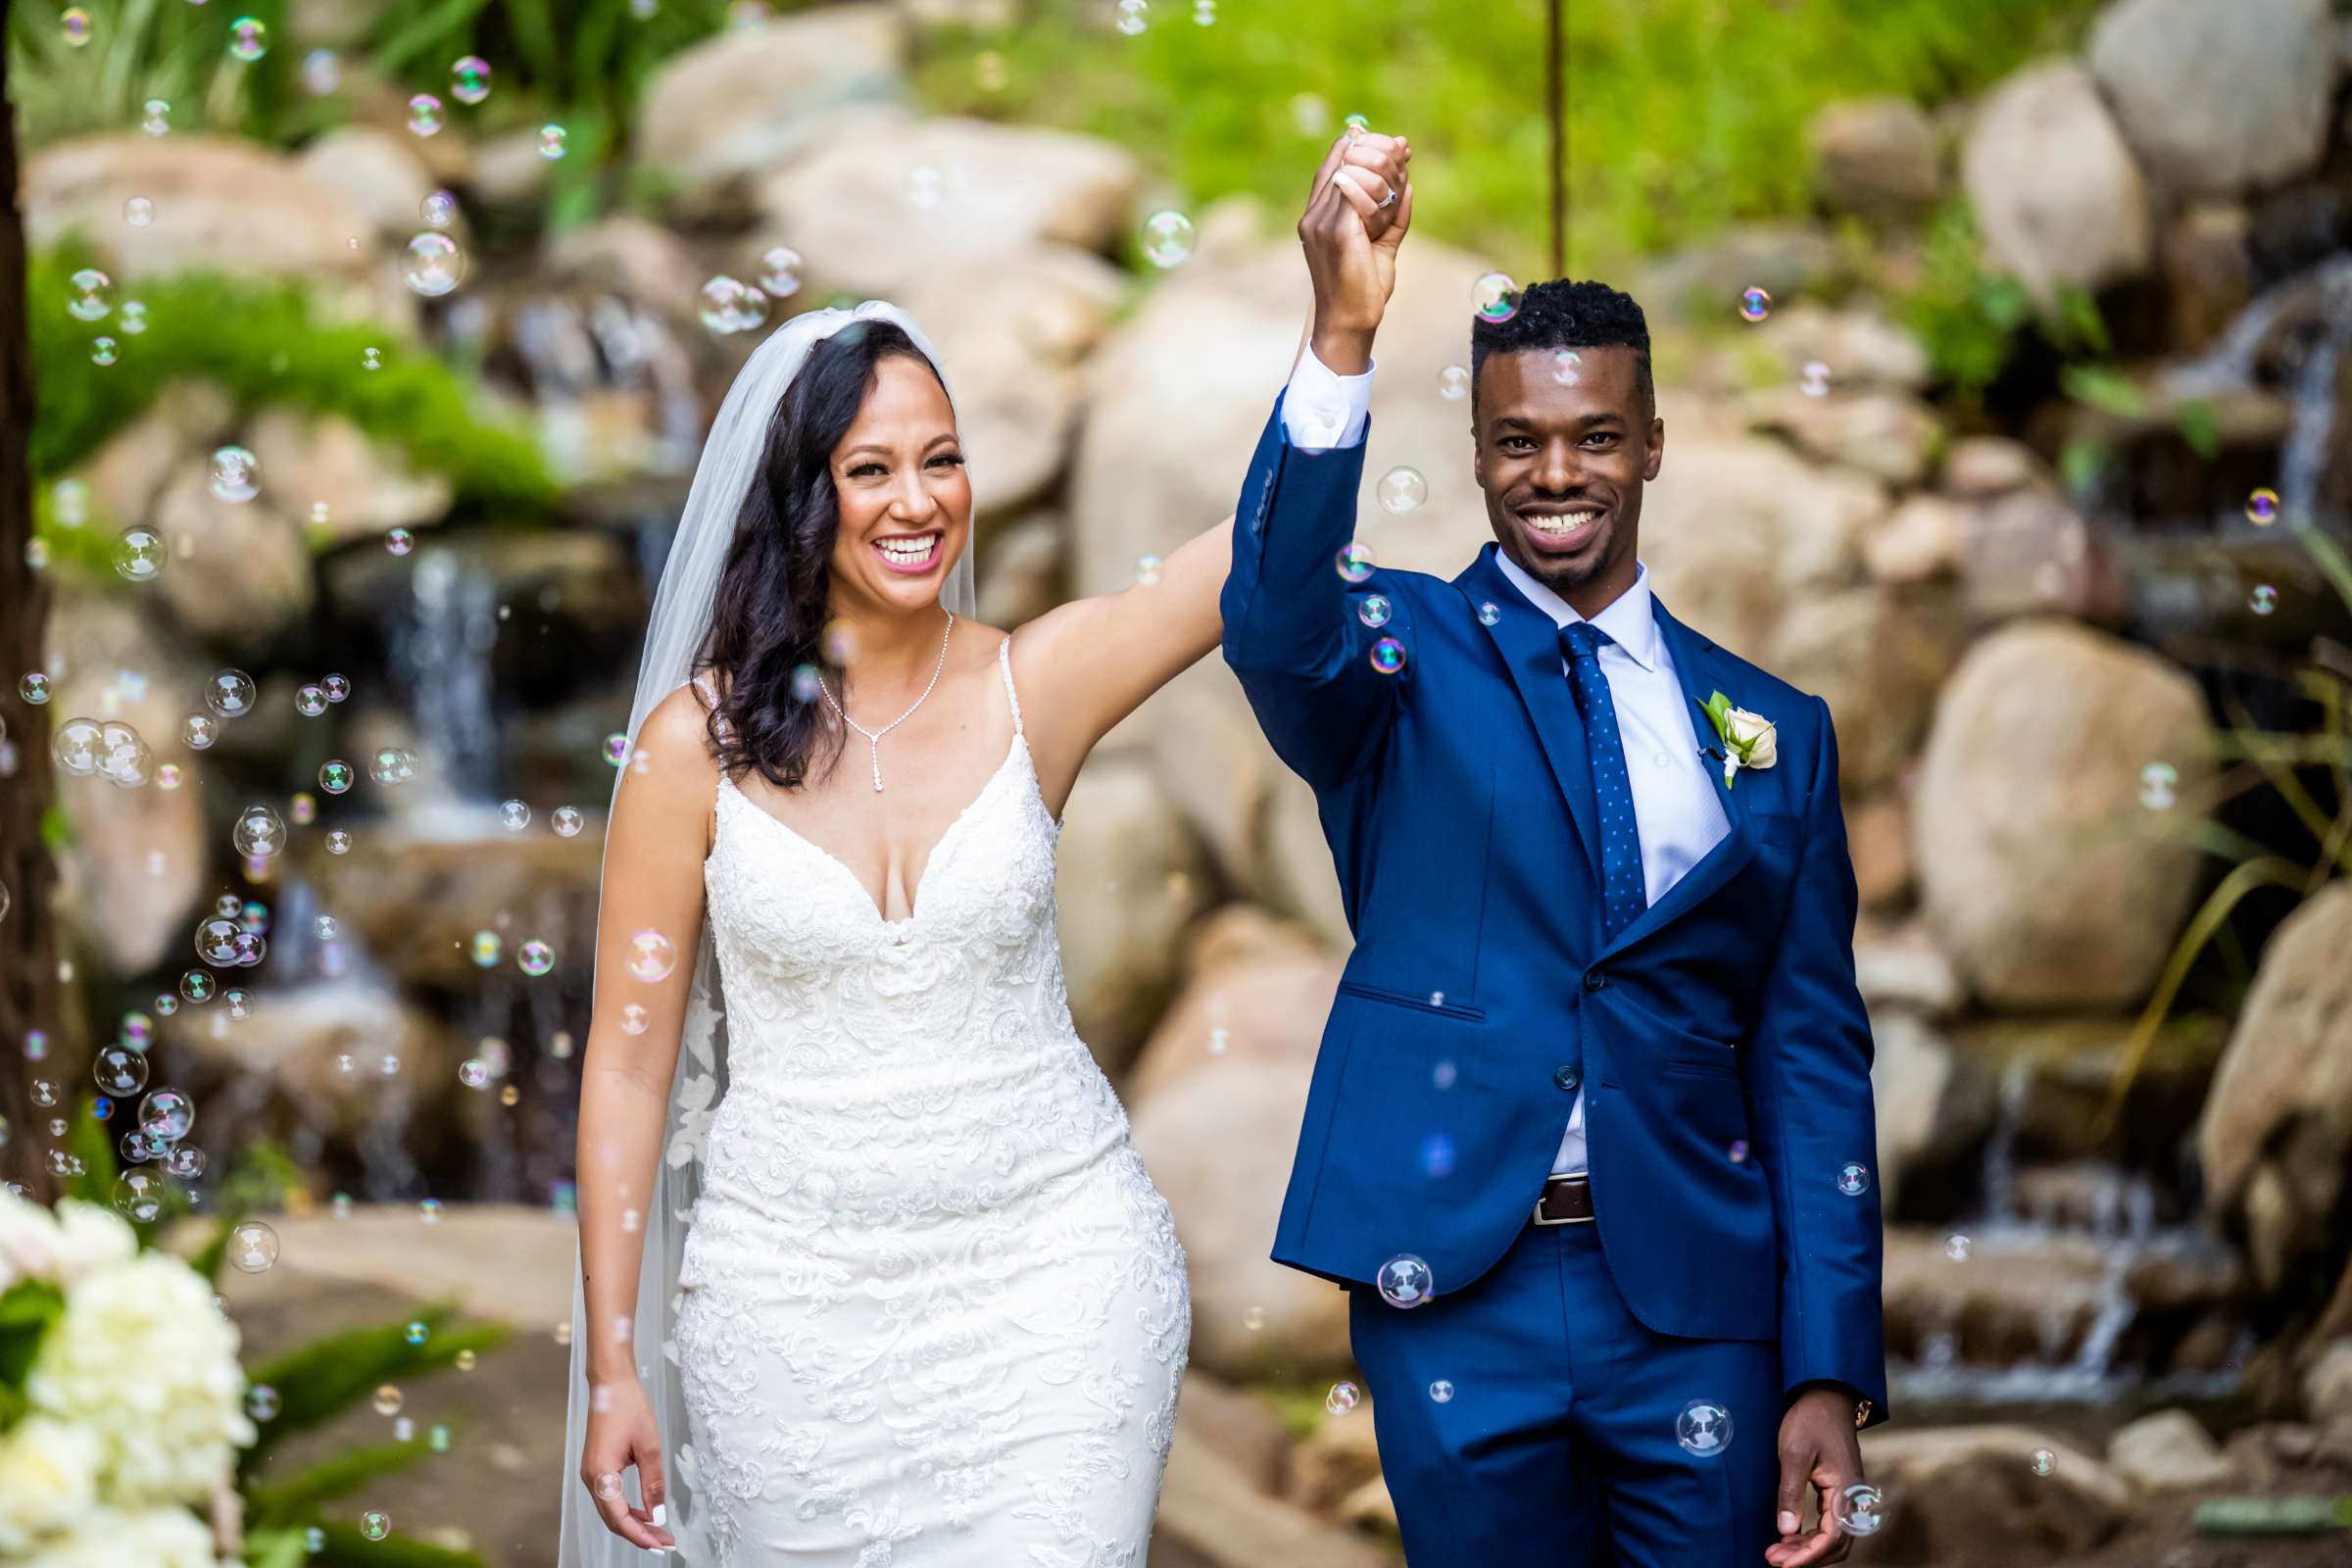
(1560, 314)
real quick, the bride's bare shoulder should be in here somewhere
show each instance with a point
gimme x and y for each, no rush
(680, 724)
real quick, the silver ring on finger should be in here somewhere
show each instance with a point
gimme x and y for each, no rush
(1386, 202)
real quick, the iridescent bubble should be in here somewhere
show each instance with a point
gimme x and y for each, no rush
(470, 79)
(1388, 655)
(1861, 1510)
(139, 555)
(2157, 783)
(439, 210)
(250, 947)
(236, 474)
(196, 986)
(1853, 1180)
(438, 1439)
(728, 305)
(514, 816)
(652, 956)
(310, 700)
(44, 1093)
(322, 72)
(1374, 610)
(424, 117)
(1704, 1428)
(1356, 125)
(2262, 507)
(399, 541)
(336, 688)
(1454, 382)
(551, 140)
(139, 1195)
(131, 317)
(1343, 1397)
(1169, 238)
(634, 1019)
(118, 1069)
(248, 39)
(781, 272)
(258, 833)
(565, 820)
(428, 1212)
(102, 351)
(417, 1332)
(87, 301)
(166, 1114)
(1254, 1318)
(487, 945)
(2263, 600)
(336, 776)
(76, 746)
(155, 118)
(326, 928)
(1205, 13)
(33, 688)
(1405, 1282)
(1494, 297)
(184, 1162)
(338, 842)
(385, 766)
(617, 749)
(75, 23)
(229, 694)
(262, 1403)
(1567, 366)
(235, 1000)
(2042, 1461)
(473, 1073)
(1133, 17)
(1815, 380)
(370, 360)
(434, 264)
(217, 943)
(1754, 305)
(1147, 570)
(607, 1486)
(534, 957)
(1401, 490)
(1355, 561)
(1956, 1247)
(138, 212)
(376, 1524)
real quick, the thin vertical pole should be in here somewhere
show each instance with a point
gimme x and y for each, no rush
(1555, 104)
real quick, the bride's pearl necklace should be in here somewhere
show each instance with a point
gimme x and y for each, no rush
(873, 737)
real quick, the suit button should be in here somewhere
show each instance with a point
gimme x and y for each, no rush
(1567, 1078)
(1594, 979)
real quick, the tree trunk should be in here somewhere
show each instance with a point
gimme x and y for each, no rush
(29, 990)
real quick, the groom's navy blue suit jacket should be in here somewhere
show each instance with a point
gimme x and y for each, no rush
(1720, 1040)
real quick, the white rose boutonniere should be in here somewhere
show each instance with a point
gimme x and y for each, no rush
(1749, 740)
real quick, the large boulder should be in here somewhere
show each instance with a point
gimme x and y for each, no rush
(377, 171)
(2218, 95)
(1131, 879)
(1944, 1484)
(1934, 1108)
(2277, 1133)
(2057, 194)
(2168, 1449)
(1211, 1516)
(1218, 1143)
(1882, 433)
(1876, 156)
(1859, 347)
(747, 99)
(1878, 661)
(2037, 873)
(1259, 991)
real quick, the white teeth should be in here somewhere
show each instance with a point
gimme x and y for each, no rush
(908, 554)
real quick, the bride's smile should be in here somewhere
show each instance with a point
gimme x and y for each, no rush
(904, 496)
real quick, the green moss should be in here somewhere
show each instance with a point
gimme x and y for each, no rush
(260, 343)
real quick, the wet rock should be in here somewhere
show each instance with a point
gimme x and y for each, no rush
(1218, 1145)
(2278, 1122)
(2168, 1450)
(308, 459)
(377, 172)
(1259, 991)
(1878, 837)
(1934, 1109)
(1904, 970)
(1878, 664)
(1706, 279)
(1945, 1483)
(2057, 194)
(2208, 273)
(1337, 1460)
(1021, 576)
(299, 1037)
(239, 573)
(510, 173)
(2028, 791)
(1239, 1424)
(1876, 156)
(1980, 466)
(2060, 1074)
(1211, 1517)
(1860, 348)
(2029, 552)
(2014, 1298)
(1882, 433)
(2327, 1385)
(1370, 1507)
(1924, 539)
(2217, 98)
(1131, 878)
(747, 99)
(2186, 1270)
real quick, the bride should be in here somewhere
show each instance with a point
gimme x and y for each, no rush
(912, 1297)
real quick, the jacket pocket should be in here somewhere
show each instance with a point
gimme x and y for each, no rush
(1728, 1067)
(1398, 999)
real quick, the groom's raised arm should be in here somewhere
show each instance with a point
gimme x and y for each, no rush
(1288, 633)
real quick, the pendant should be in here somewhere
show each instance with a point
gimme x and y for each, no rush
(875, 747)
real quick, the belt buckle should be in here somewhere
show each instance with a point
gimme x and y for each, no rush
(1536, 1216)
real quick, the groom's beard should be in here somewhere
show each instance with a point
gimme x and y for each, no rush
(1563, 572)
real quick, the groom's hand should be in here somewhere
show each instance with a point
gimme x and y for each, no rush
(1818, 1447)
(1356, 216)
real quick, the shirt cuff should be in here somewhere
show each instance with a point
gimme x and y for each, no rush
(1322, 410)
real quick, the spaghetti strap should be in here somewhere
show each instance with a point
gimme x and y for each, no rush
(1005, 663)
(710, 689)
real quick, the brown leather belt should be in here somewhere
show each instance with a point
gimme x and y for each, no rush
(1566, 1201)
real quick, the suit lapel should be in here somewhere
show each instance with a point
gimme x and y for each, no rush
(1529, 644)
(1701, 669)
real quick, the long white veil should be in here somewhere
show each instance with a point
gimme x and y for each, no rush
(681, 619)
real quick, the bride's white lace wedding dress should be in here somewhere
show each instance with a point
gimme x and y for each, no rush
(932, 1311)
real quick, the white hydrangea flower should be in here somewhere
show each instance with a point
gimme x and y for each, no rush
(152, 1537)
(48, 1481)
(28, 1241)
(90, 1238)
(142, 1361)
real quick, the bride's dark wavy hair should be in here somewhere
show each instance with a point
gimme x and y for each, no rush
(768, 617)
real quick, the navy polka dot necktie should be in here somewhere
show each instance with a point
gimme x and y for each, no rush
(1623, 895)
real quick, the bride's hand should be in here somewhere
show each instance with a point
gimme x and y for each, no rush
(621, 1434)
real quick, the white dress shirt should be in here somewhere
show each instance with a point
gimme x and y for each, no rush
(1675, 809)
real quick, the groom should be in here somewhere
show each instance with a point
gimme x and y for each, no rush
(1589, 1134)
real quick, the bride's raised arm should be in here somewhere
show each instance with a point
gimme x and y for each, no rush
(653, 883)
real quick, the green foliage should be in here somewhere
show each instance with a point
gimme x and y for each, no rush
(344, 1547)
(295, 1499)
(88, 1140)
(321, 1379)
(27, 1309)
(260, 341)
(1967, 319)
(143, 49)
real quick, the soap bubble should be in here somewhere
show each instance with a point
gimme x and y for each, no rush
(1133, 17)
(370, 360)
(425, 114)
(376, 1524)
(131, 317)
(184, 1162)
(75, 23)
(248, 39)
(322, 72)
(652, 956)
(728, 305)
(262, 1403)
(470, 79)
(104, 352)
(1704, 1428)
(1441, 1391)
(139, 555)
(1169, 238)
(118, 1069)
(260, 832)
(487, 945)
(634, 1019)
(1815, 380)
(534, 957)
(439, 210)
(33, 688)
(1494, 297)
(1147, 570)
(1454, 382)
(1355, 561)
(1853, 1180)
(1343, 1397)
(565, 820)
(139, 1195)
(155, 118)
(2263, 600)
(229, 694)
(337, 687)
(399, 541)
(1861, 1510)
(514, 816)
(236, 474)
(2042, 1461)
(1374, 610)
(2157, 783)
(551, 140)
(1406, 1282)
(75, 745)
(338, 842)
(88, 300)
(473, 1073)
(2262, 507)
(166, 1114)
(336, 776)
(1388, 655)
(138, 212)
(1956, 1247)
(781, 272)
(1755, 304)
(434, 265)
(1403, 490)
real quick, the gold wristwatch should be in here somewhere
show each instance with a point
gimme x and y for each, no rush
(1862, 1409)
